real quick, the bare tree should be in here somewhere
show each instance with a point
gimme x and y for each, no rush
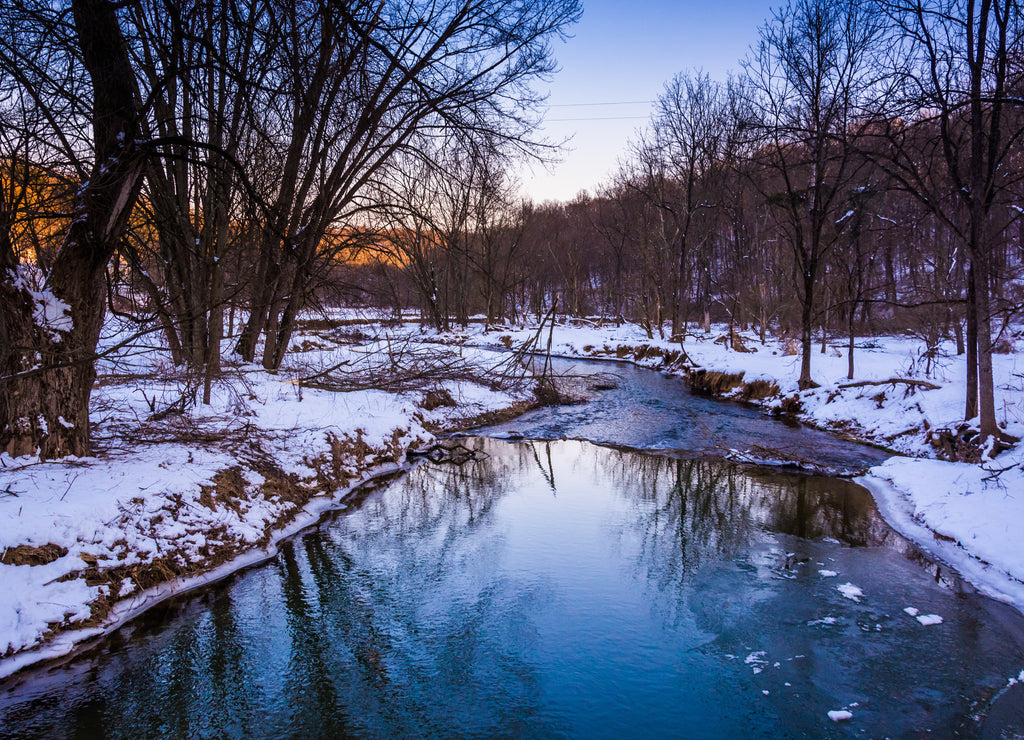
(809, 75)
(687, 129)
(953, 139)
(49, 329)
(360, 82)
(200, 63)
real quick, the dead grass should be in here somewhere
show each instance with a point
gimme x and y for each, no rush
(648, 351)
(228, 489)
(488, 418)
(436, 398)
(758, 390)
(791, 405)
(33, 555)
(713, 382)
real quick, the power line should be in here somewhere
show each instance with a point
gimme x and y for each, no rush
(605, 118)
(616, 102)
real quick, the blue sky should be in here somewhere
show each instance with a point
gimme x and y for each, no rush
(625, 51)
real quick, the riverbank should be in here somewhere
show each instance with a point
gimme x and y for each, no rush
(179, 494)
(968, 515)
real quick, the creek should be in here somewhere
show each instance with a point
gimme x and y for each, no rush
(554, 587)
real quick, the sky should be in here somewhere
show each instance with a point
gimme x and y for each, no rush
(623, 52)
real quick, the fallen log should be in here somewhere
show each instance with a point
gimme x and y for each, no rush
(893, 381)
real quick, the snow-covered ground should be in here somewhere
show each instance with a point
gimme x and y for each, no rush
(176, 497)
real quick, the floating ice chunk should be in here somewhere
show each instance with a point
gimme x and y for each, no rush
(850, 591)
(839, 715)
(929, 619)
(756, 661)
(911, 611)
(827, 573)
(823, 620)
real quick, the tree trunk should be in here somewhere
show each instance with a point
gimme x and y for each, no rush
(852, 322)
(971, 401)
(806, 331)
(50, 336)
(986, 384)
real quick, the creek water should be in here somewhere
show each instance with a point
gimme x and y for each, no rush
(643, 409)
(558, 588)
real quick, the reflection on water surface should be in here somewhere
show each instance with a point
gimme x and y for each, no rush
(557, 589)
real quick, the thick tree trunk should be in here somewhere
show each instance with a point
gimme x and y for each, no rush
(48, 357)
(851, 333)
(986, 383)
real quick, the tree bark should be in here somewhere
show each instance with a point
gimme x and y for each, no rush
(48, 364)
(971, 400)
(806, 333)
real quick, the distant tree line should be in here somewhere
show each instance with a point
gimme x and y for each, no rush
(862, 174)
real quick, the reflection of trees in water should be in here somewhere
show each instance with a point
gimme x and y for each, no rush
(362, 627)
(386, 595)
(689, 512)
(192, 678)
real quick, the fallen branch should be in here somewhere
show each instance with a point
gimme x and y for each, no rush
(893, 381)
(457, 454)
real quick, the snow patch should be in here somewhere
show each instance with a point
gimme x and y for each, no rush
(850, 591)
(49, 312)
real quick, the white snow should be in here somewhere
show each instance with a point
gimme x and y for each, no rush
(827, 573)
(840, 715)
(757, 661)
(824, 620)
(929, 619)
(49, 312)
(912, 611)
